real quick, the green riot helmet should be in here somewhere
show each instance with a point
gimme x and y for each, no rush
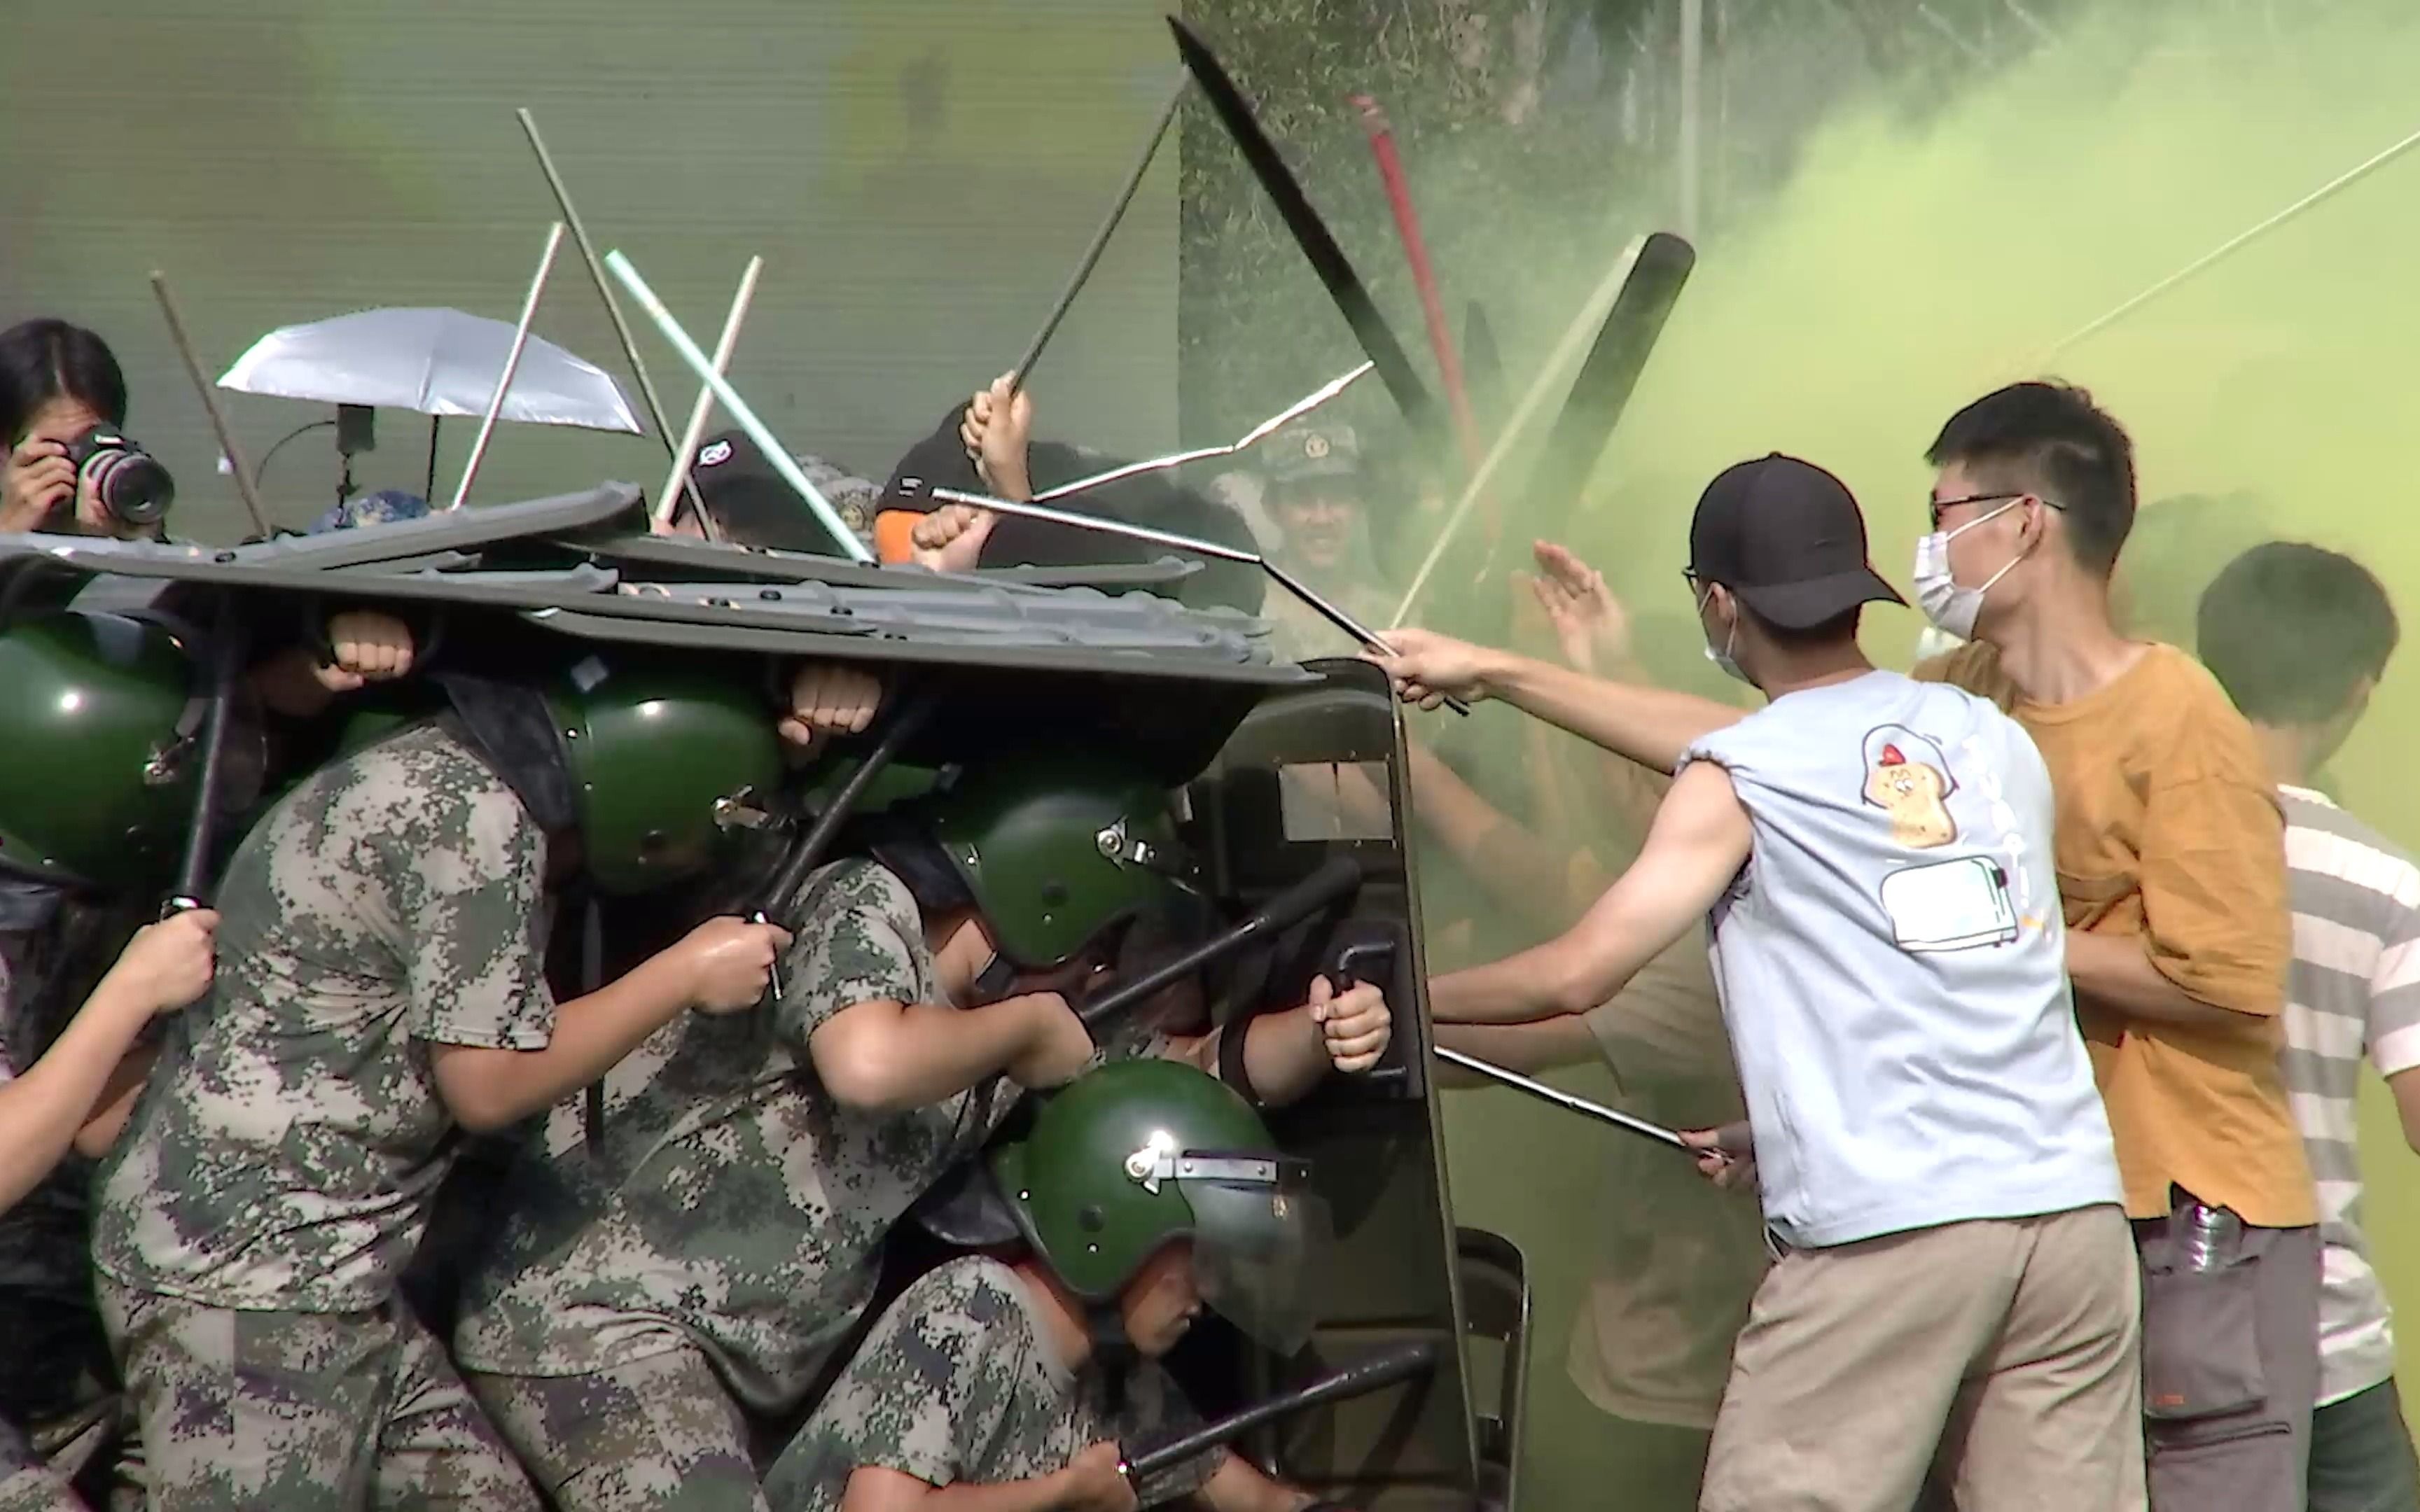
(1056, 848)
(97, 715)
(663, 758)
(1138, 1153)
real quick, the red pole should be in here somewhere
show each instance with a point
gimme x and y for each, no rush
(1416, 252)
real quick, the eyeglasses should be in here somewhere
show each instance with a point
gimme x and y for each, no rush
(1937, 505)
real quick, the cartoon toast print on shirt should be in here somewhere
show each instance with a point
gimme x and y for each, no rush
(1908, 777)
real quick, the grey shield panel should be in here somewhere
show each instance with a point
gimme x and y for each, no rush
(694, 558)
(1372, 1141)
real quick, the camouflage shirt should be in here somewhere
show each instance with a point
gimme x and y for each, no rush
(732, 1201)
(284, 1159)
(958, 1382)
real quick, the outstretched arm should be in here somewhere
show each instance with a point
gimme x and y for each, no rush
(1700, 841)
(1652, 726)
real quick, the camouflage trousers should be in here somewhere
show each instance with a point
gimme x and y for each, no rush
(656, 1435)
(302, 1411)
(26, 1485)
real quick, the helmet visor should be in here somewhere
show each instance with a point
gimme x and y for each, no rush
(1258, 1227)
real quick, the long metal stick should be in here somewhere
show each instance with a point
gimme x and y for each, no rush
(775, 452)
(704, 410)
(1564, 1100)
(512, 365)
(604, 291)
(1251, 438)
(1591, 314)
(1286, 579)
(246, 486)
(1100, 237)
(2230, 245)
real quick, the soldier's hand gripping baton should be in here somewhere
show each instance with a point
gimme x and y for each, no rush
(1565, 1099)
(808, 854)
(1360, 1379)
(1286, 579)
(1335, 879)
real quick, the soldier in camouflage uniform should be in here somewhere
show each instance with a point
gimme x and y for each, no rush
(699, 1262)
(1132, 1191)
(94, 712)
(380, 986)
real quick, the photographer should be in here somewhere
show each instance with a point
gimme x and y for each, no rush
(60, 391)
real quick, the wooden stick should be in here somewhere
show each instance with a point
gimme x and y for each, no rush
(704, 410)
(512, 365)
(246, 486)
(604, 291)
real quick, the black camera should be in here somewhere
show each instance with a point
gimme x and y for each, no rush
(129, 483)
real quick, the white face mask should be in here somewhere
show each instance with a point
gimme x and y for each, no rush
(1723, 658)
(1948, 605)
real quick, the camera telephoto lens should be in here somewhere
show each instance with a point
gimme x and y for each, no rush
(129, 483)
(132, 486)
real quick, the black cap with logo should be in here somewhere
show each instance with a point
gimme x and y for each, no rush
(1786, 537)
(754, 505)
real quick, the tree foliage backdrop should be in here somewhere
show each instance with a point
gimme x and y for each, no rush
(1538, 136)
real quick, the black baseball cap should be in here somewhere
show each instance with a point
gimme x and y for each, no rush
(1787, 538)
(753, 504)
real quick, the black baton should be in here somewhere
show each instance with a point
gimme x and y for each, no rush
(1353, 1380)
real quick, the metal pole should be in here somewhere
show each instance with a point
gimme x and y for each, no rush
(1564, 1100)
(757, 430)
(1100, 239)
(704, 409)
(1693, 40)
(604, 289)
(2199, 264)
(246, 487)
(512, 365)
(1251, 437)
(1332, 613)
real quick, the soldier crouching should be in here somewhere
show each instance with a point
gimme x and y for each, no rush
(380, 987)
(701, 1261)
(1140, 1193)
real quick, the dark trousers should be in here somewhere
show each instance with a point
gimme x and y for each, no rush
(2230, 1366)
(2360, 1455)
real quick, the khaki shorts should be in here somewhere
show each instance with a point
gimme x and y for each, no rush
(2012, 1347)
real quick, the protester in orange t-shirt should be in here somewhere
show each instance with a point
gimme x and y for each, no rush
(2171, 867)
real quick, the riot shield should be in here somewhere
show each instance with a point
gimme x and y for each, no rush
(1308, 776)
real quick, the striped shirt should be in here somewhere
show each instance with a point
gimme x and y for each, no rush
(2355, 988)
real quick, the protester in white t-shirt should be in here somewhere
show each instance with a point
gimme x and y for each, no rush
(1955, 1270)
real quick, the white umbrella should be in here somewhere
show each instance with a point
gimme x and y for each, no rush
(436, 361)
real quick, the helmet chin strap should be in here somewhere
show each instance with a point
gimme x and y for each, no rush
(1113, 1350)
